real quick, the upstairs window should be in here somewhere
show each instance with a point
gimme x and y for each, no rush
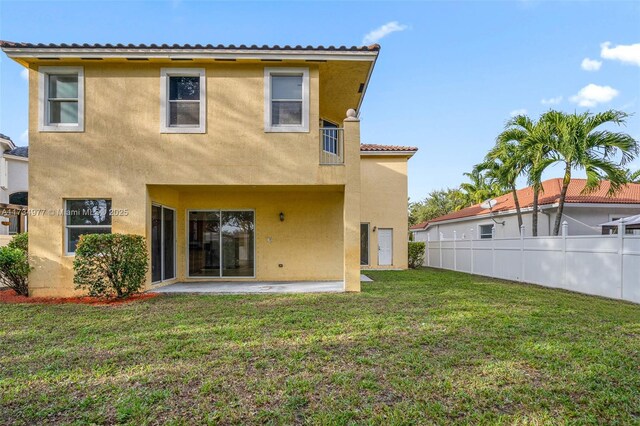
(61, 99)
(286, 99)
(183, 103)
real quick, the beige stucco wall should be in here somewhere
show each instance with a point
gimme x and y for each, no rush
(122, 153)
(384, 205)
(122, 156)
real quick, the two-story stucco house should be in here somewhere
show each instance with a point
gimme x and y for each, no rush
(235, 162)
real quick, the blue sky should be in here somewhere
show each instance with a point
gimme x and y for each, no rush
(448, 76)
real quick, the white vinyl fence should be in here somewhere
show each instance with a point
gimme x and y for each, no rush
(601, 265)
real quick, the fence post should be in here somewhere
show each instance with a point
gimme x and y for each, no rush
(565, 231)
(621, 232)
(522, 253)
(493, 251)
(455, 255)
(440, 246)
(427, 248)
(471, 235)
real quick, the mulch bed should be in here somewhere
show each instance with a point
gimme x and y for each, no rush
(10, 296)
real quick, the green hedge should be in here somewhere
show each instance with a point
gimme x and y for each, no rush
(416, 254)
(14, 264)
(20, 241)
(110, 265)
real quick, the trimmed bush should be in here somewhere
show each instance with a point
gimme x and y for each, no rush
(110, 265)
(20, 241)
(14, 269)
(416, 254)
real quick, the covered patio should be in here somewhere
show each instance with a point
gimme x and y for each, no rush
(250, 287)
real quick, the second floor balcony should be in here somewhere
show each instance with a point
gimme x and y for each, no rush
(331, 146)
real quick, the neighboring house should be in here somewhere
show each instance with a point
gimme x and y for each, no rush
(236, 162)
(14, 184)
(584, 213)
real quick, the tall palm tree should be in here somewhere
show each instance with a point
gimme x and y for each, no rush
(502, 166)
(580, 143)
(634, 177)
(534, 140)
(479, 188)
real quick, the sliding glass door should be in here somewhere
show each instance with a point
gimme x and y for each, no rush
(163, 255)
(221, 243)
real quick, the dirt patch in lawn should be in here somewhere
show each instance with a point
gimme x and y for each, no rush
(10, 296)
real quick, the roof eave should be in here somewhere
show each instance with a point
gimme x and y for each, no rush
(160, 53)
(407, 154)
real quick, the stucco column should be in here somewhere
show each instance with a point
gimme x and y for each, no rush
(351, 212)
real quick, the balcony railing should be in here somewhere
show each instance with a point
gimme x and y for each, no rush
(331, 146)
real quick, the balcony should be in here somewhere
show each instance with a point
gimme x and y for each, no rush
(331, 146)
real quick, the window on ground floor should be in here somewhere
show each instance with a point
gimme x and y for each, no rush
(364, 244)
(86, 216)
(486, 231)
(163, 265)
(221, 243)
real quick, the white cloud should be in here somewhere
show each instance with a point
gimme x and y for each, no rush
(24, 74)
(24, 136)
(590, 64)
(592, 95)
(375, 35)
(626, 53)
(551, 101)
(520, 111)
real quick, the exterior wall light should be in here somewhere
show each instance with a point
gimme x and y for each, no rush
(281, 217)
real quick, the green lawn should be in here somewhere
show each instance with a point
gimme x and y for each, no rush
(414, 347)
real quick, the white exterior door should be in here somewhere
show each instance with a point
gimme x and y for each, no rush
(385, 247)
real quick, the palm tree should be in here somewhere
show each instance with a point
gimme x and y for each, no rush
(533, 139)
(502, 166)
(579, 143)
(633, 177)
(479, 188)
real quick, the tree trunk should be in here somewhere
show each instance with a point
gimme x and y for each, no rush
(534, 217)
(517, 203)
(563, 195)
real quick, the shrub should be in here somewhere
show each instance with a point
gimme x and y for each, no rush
(416, 254)
(20, 241)
(110, 265)
(14, 269)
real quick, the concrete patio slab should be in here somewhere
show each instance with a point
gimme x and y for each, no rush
(365, 279)
(248, 287)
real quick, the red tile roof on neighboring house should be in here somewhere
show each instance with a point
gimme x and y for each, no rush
(419, 226)
(18, 45)
(366, 147)
(629, 194)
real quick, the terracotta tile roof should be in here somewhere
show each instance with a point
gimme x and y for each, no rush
(366, 147)
(629, 194)
(18, 45)
(419, 226)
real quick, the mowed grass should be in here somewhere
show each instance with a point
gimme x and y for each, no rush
(415, 347)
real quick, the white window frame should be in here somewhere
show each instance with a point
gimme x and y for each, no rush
(480, 231)
(67, 227)
(165, 126)
(299, 128)
(43, 100)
